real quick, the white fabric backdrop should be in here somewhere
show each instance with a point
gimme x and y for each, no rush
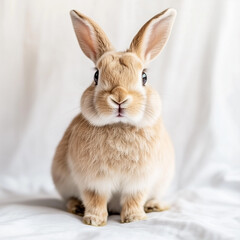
(43, 74)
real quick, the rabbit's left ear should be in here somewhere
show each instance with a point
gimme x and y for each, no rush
(153, 36)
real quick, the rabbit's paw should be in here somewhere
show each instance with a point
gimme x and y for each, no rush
(154, 206)
(75, 206)
(132, 217)
(95, 220)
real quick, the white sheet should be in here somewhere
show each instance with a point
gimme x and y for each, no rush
(202, 214)
(43, 73)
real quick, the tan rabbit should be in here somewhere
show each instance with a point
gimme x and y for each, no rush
(116, 154)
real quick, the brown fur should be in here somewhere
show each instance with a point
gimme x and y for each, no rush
(100, 154)
(95, 208)
(132, 209)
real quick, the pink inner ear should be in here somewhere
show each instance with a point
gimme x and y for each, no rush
(85, 38)
(157, 38)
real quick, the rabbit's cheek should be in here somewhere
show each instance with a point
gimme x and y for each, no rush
(137, 106)
(103, 109)
(101, 104)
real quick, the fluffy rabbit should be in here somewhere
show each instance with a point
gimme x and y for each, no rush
(116, 154)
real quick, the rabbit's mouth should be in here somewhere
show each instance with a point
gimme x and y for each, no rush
(120, 111)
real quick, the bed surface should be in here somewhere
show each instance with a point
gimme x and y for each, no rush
(203, 214)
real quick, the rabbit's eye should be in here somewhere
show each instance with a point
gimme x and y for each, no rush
(96, 77)
(144, 78)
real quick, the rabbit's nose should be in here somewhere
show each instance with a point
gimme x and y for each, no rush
(119, 95)
(119, 103)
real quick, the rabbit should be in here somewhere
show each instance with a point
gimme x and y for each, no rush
(116, 155)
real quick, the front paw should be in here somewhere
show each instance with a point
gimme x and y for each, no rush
(95, 220)
(132, 217)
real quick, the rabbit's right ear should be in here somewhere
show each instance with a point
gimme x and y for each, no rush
(91, 38)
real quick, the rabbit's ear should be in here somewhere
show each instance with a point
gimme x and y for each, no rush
(153, 36)
(91, 38)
